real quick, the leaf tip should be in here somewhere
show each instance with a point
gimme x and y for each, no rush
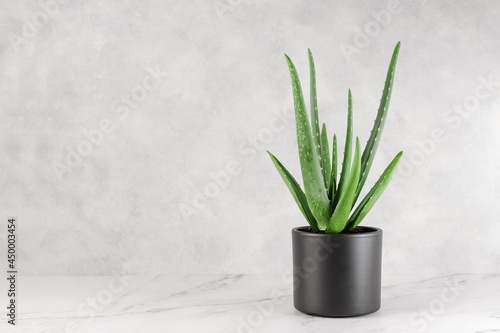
(396, 49)
(311, 61)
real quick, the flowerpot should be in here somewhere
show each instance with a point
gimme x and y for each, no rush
(337, 275)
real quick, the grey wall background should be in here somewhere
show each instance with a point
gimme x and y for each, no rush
(221, 95)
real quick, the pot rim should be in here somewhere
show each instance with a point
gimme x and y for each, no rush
(370, 232)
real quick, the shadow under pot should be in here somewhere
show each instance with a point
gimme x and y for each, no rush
(337, 275)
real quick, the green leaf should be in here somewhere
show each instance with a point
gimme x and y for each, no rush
(378, 126)
(372, 196)
(326, 155)
(333, 180)
(312, 175)
(314, 113)
(347, 155)
(341, 213)
(297, 193)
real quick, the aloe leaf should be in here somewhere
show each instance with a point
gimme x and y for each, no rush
(375, 193)
(312, 175)
(297, 193)
(314, 113)
(347, 155)
(341, 213)
(326, 155)
(378, 126)
(333, 180)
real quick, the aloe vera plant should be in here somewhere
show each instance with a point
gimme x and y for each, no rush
(329, 198)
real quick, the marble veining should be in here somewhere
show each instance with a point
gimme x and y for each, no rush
(247, 303)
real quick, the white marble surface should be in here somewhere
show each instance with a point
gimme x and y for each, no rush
(247, 303)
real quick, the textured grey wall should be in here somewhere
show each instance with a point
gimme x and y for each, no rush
(116, 116)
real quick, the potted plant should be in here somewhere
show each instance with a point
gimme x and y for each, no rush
(337, 264)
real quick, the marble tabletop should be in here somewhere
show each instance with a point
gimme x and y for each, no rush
(244, 304)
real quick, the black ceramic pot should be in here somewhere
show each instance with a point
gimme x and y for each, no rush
(337, 275)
